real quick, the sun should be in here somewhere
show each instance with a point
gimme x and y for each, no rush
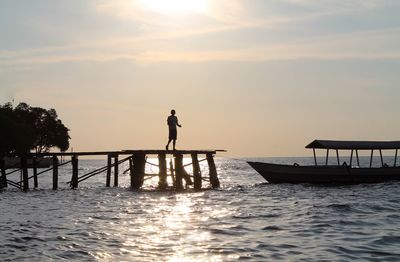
(175, 6)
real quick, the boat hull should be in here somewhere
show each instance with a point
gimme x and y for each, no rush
(275, 173)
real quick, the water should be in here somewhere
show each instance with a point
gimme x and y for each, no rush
(247, 219)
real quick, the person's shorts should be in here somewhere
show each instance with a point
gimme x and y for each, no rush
(173, 134)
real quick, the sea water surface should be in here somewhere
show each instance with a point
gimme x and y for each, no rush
(246, 219)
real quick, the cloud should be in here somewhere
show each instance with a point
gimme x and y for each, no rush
(329, 4)
(345, 47)
(229, 14)
(154, 44)
(375, 44)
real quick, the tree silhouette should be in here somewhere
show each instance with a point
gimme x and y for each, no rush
(25, 128)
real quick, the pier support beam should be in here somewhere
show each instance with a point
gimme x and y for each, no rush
(213, 171)
(25, 179)
(172, 170)
(131, 171)
(108, 176)
(196, 172)
(181, 173)
(3, 178)
(35, 178)
(55, 173)
(116, 171)
(162, 174)
(74, 179)
(137, 176)
(178, 171)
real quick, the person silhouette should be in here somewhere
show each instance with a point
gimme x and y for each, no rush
(172, 122)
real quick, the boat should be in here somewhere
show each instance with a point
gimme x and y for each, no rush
(341, 173)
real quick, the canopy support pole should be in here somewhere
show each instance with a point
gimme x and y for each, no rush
(395, 158)
(380, 152)
(370, 161)
(327, 157)
(358, 159)
(351, 157)
(315, 157)
(337, 156)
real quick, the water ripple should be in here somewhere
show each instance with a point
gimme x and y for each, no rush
(247, 219)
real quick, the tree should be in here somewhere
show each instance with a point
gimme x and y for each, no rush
(25, 128)
(7, 137)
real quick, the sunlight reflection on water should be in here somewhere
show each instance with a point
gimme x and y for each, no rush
(245, 219)
(175, 229)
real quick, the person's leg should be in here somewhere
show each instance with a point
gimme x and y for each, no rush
(173, 143)
(169, 141)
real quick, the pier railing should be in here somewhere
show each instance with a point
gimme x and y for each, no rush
(136, 159)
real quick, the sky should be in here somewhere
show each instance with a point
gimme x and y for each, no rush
(254, 77)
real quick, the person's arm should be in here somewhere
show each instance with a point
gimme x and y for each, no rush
(169, 121)
(177, 123)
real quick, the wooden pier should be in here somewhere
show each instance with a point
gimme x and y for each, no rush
(137, 160)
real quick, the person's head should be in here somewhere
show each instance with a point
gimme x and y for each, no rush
(173, 112)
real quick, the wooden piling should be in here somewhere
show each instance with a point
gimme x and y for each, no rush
(181, 172)
(172, 170)
(35, 177)
(196, 172)
(1, 174)
(115, 170)
(186, 176)
(3, 178)
(108, 176)
(74, 179)
(139, 164)
(131, 171)
(55, 172)
(178, 171)
(213, 171)
(162, 174)
(25, 177)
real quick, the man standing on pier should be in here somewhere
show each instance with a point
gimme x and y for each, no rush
(172, 123)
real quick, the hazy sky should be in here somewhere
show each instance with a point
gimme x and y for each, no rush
(255, 77)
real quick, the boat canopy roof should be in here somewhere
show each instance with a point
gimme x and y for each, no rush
(349, 145)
